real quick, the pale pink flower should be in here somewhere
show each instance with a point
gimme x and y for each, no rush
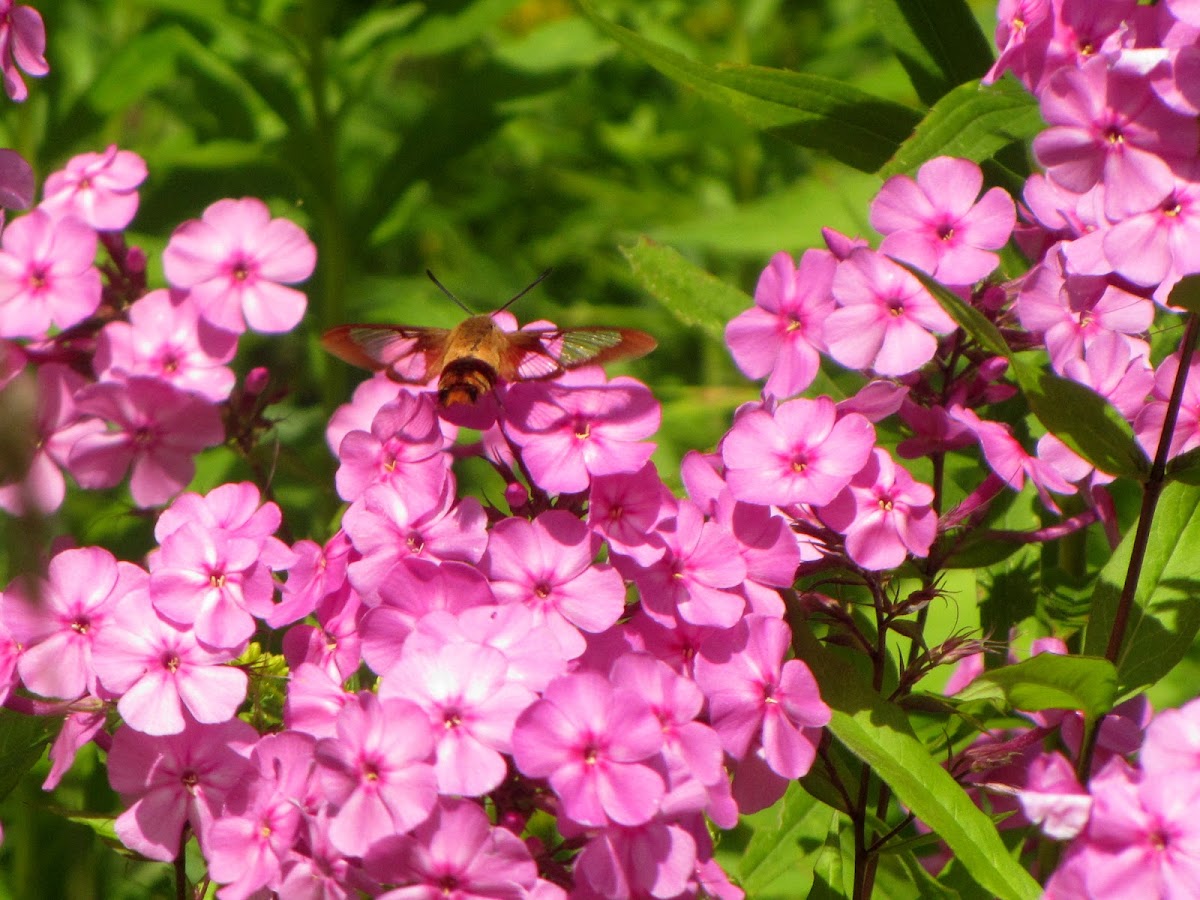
(781, 335)
(885, 317)
(1149, 423)
(99, 188)
(23, 44)
(935, 223)
(235, 261)
(47, 276)
(404, 443)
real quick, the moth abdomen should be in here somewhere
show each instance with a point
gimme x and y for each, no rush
(465, 380)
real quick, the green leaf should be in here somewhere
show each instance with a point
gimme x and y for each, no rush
(1186, 294)
(1081, 419)
(377, 25)
(1052, 681)
(22, 741)
(1165, 617)
(938, 42)
(693, 295)
(833, 868)
(879, 734)
(440, 34)
(973, 121)
(969, 319)
(772, 852)
(853, 126)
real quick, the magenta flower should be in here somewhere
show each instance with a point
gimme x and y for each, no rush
(99, 188)
(781, 335)
(547, 565)
(1009, 460)
(1023, 32)
(1142, 839)
(657, 859)
(157, 430)
(455, 854)
(58, 621)
(1107, 127)
(472, 707)
(885, 317)
(753, 695)
(46, 275)
(1163, 242)
(404, 442)
(581, 427)
(1149, 423)
(212, 583)
(160, 670)
(595, 743)
(625, 509)
(166, 338)
(1117, 368)
(22, 43)
(56, 427)
(235, 261)
(172, 780)
(884, 513)
(803, 453)
(936, 224)
(375, 771)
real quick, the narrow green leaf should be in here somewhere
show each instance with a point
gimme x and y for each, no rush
(22, 741)
(438, 34)
(1165, 618)
(1051, 681)
(880, 735)
(693, 295)
(377, 25)
(969, 319)
(853, 126)
(833, 868)
(973, 121)
(1081, 419)
(938, 42)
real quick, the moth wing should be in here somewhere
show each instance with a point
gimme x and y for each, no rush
(410, 353)
(544, 353)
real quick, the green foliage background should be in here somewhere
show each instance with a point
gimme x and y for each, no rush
(486, 141)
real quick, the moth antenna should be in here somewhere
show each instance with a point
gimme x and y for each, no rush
(535, 283)
(445, 290)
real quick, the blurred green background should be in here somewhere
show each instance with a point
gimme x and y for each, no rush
(484, 140)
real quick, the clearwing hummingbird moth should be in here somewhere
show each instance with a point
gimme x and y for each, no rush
(468, 359)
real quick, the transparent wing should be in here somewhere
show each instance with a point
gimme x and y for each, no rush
(545, 353)
(410, 353)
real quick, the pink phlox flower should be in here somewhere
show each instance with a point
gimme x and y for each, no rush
(335, 642)
(404, 443)
(235, 260)
(1107, 126)
(375, 771)
(166, 339)
(656, 859)
(412, 589)
(580, 427)
(547, 565)
(876, 400)
(455, 854)
(10, 652)
(1184, 11)
(47, 276)
(1117, 368)
(1068, 309)
(884, 317)
(1023, 32)
(1160, 244)
(936, 224)
(463, 689)
(316, 869)
(387, 524)
(841, 245)
(1173, 741)
(237, 511)
(598, 746)
(781, 335)
(1051, 216)
(84, 722)
(675, 642)
(155, 428)
(213, 583)
(16, 182)
(315, 698)
(769, 547)
(700, 576)
(56, 426)
(99, 188)
(934, 431)
(357, 415)
(1052, 798)
(171, 780)
(263, 816)
(1142, 838)
(317, 573)
(533, 653)
(23, 44)
(159, 670)
(1084, 29)
(1008, 459)
(1149, 422)
(884, 513)
(59, 622)
(801, 453)
(754, 696)
(624, 509)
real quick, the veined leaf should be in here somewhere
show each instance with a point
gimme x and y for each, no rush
(937, 41)
(1053, 681)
